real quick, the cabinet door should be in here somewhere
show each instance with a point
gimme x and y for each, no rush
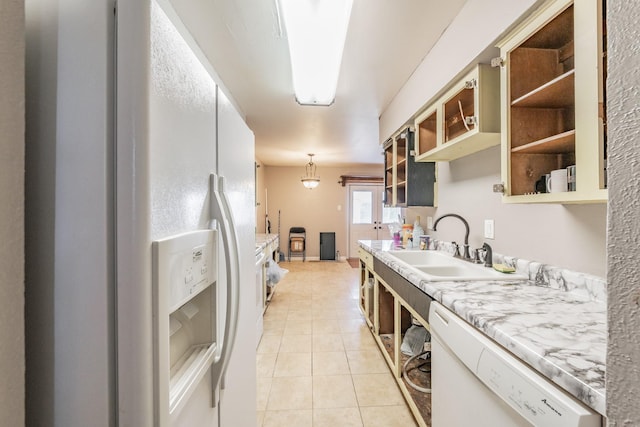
(420, 177)
(389, 172)
(552, 89)
(407, 183)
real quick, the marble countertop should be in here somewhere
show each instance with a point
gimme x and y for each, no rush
(262, 240)
(560, 331)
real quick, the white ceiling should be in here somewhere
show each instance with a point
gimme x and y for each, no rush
(386, 41)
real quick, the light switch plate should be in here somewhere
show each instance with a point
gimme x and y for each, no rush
(488, 229)
(430, 222)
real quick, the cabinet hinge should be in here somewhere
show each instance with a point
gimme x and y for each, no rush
(471, 84)
(497, 62)
(412, 153)
(498, 188)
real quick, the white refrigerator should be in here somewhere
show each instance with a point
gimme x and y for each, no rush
(126, 123)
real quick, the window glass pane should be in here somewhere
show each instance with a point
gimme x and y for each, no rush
(362, 207)
(389, 214)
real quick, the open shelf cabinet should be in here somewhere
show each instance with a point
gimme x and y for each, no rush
(395, 317)
(407, 183)
(553, 102)
(466, 119)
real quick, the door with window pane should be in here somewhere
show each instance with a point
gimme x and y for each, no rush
(368, 218)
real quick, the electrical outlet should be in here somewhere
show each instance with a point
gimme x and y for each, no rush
(430, 222)
(488, 229)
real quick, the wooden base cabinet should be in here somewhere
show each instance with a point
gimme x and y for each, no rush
(395, 316)
(553, 103)
(366, 287)
(391, 306)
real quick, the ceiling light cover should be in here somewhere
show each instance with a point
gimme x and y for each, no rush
(316, 32)
(310, 180)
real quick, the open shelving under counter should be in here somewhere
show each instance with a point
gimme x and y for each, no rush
(392, 306)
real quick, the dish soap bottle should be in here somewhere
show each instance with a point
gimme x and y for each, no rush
(417, 232)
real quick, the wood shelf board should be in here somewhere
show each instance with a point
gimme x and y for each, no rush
(555, 144)
(569, 197)
(526, 169)
(464, 146)
(533, 124)
(557, 93)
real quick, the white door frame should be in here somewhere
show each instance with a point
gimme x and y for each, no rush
(377, 190)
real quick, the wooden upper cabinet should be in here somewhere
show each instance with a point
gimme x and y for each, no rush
(553, 103)
(466, 119)
(407, 183)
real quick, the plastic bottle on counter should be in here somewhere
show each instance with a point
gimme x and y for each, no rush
(417, 232)
(407, 231)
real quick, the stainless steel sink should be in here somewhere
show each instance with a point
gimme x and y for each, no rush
(437, 266)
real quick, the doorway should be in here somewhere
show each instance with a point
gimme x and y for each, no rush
(368, 217)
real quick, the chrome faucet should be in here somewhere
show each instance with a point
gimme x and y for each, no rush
(465, 255)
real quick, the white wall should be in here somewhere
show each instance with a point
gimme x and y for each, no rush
(571, 236)
(12, 363)
(472, 32)
(623, 112)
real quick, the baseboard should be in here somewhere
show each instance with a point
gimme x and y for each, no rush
(315, 259)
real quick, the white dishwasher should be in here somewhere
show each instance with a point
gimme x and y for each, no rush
(475, 382)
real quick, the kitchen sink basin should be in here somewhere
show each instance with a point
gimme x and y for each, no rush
(465, 272)
(437, 266)
(423, 257)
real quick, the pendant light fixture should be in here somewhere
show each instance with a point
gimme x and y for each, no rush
(310, 180)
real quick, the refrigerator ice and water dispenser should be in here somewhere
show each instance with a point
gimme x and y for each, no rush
(185, 317)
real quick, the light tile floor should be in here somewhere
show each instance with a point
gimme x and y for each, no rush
(317, 363)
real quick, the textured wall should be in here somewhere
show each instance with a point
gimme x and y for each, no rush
(12, 212)
(623, 115)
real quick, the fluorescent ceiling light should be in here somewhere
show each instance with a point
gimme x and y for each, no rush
(316, 31)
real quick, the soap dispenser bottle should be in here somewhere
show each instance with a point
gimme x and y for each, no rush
(417, 232)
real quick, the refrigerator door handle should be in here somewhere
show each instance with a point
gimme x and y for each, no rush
(221, 213)
(235, 283)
